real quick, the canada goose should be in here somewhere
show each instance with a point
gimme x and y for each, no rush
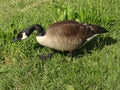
(63, 35)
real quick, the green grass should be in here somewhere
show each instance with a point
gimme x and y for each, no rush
(97, 65)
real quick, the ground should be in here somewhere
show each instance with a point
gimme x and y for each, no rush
(95, 67)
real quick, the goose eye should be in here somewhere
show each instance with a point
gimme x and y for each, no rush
(19, 36)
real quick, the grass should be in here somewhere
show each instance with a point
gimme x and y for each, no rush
(97, 66)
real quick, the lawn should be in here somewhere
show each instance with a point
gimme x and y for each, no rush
(95, 67)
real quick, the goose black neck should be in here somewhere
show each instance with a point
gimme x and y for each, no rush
(36, 27)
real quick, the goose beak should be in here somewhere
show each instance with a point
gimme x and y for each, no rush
(15, 40)
(105, 30)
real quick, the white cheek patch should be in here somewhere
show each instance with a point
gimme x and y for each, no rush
(90, 38)
(24, 36)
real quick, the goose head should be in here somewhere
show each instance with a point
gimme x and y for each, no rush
(28, 31)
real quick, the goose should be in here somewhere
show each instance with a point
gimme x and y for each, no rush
(66, 35)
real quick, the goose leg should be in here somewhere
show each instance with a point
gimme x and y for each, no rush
(48, 56)
(71, 55)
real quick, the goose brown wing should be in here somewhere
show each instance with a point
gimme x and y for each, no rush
(67, 29)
